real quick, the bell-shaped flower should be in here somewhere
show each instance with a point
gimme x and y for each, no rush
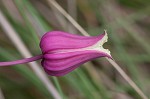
(63, 52)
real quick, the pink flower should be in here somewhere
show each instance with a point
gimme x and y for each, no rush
(63, 52)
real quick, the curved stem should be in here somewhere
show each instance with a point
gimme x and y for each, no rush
(21, 61)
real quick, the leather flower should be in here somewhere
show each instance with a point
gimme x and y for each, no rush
(63, 52)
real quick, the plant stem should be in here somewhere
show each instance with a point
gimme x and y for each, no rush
(18, 43)
(21, 61)
(127, 78)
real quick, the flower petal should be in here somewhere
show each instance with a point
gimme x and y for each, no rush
(57, 40)
(67, 62)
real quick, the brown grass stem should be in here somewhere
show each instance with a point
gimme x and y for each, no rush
(114, 64)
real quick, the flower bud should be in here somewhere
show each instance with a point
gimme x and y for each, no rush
(63, 52)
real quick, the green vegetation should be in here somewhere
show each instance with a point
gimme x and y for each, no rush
(127, 23)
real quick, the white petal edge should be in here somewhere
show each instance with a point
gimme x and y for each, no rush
(99, 45)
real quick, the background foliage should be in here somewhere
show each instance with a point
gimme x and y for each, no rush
(127, 23)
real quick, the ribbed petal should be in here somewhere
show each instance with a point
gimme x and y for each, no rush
(58, 40)
(63, 63)
(64, 52)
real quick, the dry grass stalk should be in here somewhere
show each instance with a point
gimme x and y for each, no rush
(72, 10)
(114, 64)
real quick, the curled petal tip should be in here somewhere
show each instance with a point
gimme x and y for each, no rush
(105, 31)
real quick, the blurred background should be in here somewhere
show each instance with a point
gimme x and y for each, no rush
(128, 26)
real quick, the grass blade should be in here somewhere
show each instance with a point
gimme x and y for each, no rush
(24, 51)
(1, 94)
